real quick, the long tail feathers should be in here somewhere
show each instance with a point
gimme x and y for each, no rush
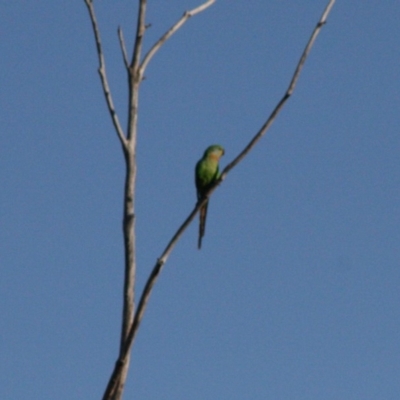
(202, 225)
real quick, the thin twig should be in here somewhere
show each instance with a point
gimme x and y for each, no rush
(186, 15)
(310, 43)
(141, 28)
(123, 48)
(285, 97)
(103, 77)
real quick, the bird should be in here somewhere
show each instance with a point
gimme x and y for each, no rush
(206, 173)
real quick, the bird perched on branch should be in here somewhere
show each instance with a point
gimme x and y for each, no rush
(206, 172)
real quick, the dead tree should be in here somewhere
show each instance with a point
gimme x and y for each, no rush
(135, 67)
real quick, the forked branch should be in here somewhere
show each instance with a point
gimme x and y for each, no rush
(186, 15)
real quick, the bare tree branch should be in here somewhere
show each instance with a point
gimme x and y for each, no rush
(123, 48)
(186, 15)
(310, 43)
(130, 180)
(141, 28)
(119, 365)
(129, 197)
(128, 146)
(162, 260)
(286, 96)
(103, 77)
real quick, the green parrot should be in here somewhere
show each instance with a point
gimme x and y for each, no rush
(206, 172)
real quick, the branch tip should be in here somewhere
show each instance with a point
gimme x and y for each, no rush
(174, 28)
(123, 48)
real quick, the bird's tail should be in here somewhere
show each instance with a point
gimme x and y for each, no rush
(202, 225)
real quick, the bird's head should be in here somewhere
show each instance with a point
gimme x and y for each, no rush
(214, 151)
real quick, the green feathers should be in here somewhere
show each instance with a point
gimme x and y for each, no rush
(206, 172)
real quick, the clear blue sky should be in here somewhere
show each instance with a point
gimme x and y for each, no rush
(295, 294)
